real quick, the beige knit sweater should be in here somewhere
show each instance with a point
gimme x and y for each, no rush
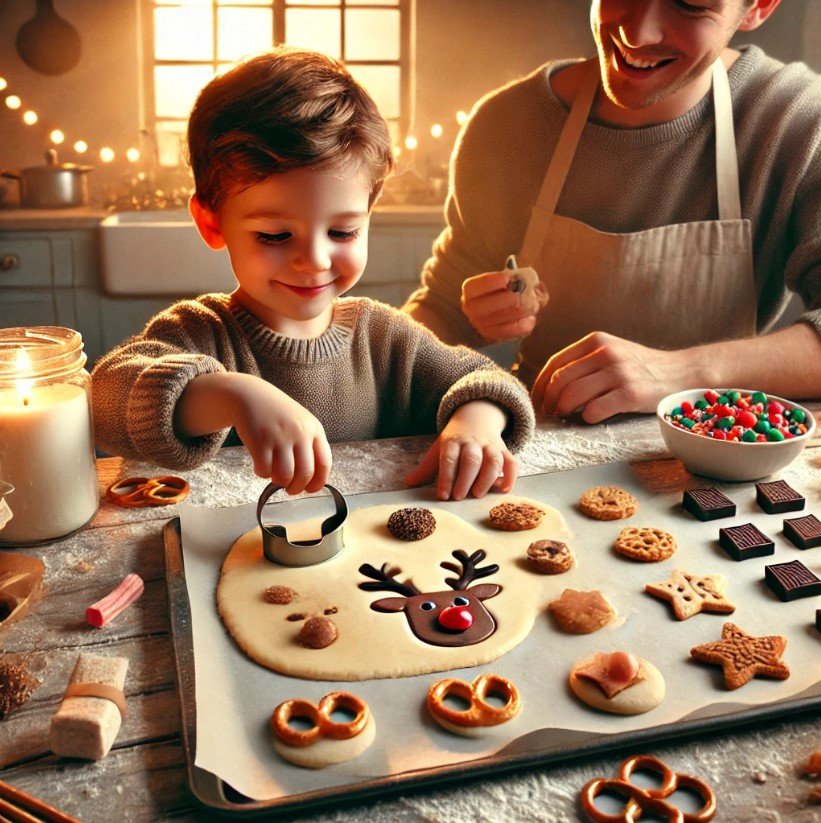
(626, 180)
(373, 373)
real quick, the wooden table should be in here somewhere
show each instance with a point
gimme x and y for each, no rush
(757, 772)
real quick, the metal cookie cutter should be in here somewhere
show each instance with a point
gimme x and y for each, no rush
(279, 549)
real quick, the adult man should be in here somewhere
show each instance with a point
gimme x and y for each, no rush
(667, 214)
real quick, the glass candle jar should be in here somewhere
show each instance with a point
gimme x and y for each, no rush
(46, 440)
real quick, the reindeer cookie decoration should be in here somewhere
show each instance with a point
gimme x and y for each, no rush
(454, 617)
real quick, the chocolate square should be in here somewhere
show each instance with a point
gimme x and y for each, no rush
(708, 504)
(744, 542)
(778, 497)
(805, 532)
(791, 580)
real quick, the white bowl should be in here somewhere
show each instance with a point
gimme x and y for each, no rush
(728, 459)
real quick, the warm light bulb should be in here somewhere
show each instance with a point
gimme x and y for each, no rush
(3, 83)
(397, 150)
(56, 137)
(461, 117)
(106, 154)
(411, 142)
(13, 101)
(81, 147)
(133, 155)
(22, 362)
(436, 130)
(30, 117)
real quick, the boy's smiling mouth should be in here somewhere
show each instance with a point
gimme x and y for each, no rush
(636, 66)
(306, 291)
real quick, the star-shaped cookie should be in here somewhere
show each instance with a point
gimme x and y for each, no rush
(690, 594)
(744, 656)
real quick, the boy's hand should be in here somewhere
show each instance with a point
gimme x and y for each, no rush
(285, 441)
(469, 454)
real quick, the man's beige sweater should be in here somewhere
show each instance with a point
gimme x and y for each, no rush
(373, 373)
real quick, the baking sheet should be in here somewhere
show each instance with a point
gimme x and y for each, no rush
(235, 697)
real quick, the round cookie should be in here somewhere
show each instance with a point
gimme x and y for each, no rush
(326, 752)
(608, 503)
(515, 517)
(642, 696)
(411, 524)
(646, 544)
(578, 612)
(550, 556)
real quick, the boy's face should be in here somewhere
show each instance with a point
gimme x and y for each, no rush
(654, 51)
(297, 241)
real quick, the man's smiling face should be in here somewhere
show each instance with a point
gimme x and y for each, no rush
(656, 51)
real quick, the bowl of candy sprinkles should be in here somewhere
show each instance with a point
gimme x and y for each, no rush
(733, 434)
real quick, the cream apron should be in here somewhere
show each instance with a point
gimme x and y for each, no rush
(668, 287)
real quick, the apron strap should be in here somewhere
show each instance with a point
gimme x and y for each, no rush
(557, 171)
(729, 194)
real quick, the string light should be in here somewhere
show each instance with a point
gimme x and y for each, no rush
(81, 147)
(436, 130)
(106, 154)
(13, 101)
(30, 117)
(56, 136)
(411, 143)
(3, 83)
(133, 155)
(461, 117)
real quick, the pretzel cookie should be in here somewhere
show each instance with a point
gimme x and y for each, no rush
(608, 503)
(515, 517)
(646, 544)
(550, 556)
(325, 741)
(479, 715)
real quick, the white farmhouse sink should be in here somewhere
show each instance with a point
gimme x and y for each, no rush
(160, 252)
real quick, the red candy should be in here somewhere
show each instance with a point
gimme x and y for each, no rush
(746, 419)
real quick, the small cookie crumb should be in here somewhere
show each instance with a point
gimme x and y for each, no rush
(814, 764)
(550, 556)
(82, 567)
(317, 633)
(331, 610)
(294, 616)
(411, 524)
(278, 595)
(515, 517)
(16, 686)
(760, 778)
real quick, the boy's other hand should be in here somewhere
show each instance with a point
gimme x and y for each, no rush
(469, 455)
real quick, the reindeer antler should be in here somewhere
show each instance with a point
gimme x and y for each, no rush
(384, 580)
(470, 570)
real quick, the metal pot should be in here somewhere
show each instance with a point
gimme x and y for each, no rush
(53, 186)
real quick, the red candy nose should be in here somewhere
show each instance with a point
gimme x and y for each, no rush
(455, 618)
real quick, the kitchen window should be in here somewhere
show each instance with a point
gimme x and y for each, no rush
(187, 42)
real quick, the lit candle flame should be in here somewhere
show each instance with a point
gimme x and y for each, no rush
(24, 386)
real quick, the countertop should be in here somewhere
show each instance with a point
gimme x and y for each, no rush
(756, 771)
(84, 217)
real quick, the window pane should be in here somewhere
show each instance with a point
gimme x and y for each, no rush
(372, 34)
(183, 33)
(175, 88)
(182, 2)
(372, 3)
(244, 2)
(170, 142)
(311, 2)
(382, 83)
(243, 31)
(317, 29)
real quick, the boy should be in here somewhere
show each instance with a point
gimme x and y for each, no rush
(288, 155)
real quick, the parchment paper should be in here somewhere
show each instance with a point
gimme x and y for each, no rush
(235, 697)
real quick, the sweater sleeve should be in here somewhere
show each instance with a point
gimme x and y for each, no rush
(427, 374)
(135, 387)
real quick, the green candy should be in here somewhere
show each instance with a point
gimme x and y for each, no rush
(725, 422)
(759, 397)
(774, 435)
(763, 426)
(687, 423)
(749, 436)
(798, 416)
(733, 396)
(723, 400)
(677, 412)
(701, 404)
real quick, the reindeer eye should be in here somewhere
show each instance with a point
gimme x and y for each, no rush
(460, 601)
(428, 605)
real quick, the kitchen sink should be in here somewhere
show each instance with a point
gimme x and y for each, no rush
(160, 252)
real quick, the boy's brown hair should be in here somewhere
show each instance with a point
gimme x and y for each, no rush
(285, 109)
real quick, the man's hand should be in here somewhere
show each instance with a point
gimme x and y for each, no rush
(469, 454)
(495, 312)
(603, 375)
(285, 441)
